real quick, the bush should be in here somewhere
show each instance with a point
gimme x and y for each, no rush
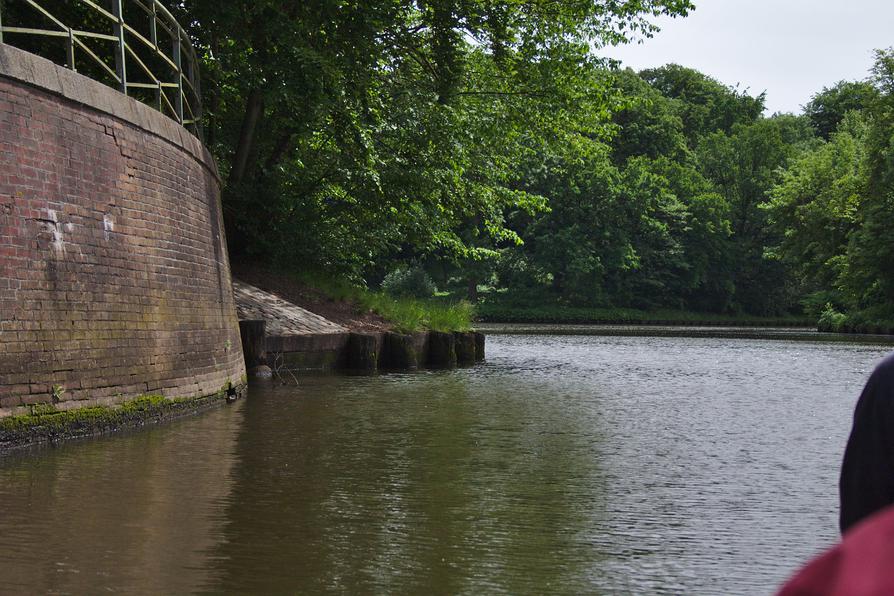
(409, 283)
(817, 303)
(832, 320)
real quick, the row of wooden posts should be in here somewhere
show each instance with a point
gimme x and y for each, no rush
(381, 351)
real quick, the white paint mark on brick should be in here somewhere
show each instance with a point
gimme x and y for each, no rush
(51, 223)
(108, 226)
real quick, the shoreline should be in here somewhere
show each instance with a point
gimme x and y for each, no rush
(805, 334)
(583, 316)
(646, 321)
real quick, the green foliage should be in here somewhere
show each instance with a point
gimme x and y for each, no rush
(643, 220)
(833, 208)
(353, 133)
(744, 166)
(828, 108)
(487, 142)
(875, 320)
(816, 303)
(409, 315)
(648, 123)
(410, 282)
(815, 206)
(869, 271)
(832, 320)
(704, 105)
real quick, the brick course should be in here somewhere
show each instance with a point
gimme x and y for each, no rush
(114, 277)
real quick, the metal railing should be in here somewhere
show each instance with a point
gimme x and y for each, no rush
(148, 55)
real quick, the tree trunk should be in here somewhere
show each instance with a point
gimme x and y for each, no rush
(254, 107)
(472, 289)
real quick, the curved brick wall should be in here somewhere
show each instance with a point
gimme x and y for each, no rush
(114, 277)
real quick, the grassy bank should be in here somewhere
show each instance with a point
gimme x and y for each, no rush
(345, 303)
(409, 314)
(879, 320)
(405, 314)
(500, 313)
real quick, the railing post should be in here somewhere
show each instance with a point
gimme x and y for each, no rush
(71, 50)
(121, 54)
(153, 27)
(1, 21)
(179, 104)
(191, 68)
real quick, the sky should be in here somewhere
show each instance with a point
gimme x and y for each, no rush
(789, 48)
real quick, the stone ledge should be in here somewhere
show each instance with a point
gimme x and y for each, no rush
(48, 76)
(311, 342)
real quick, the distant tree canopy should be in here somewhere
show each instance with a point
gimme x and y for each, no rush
(828, 108)
(705, 105)
(834, 207)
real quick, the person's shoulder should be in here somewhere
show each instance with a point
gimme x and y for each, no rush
(888, 362)
(885, 369)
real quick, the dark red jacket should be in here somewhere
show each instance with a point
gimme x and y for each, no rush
(861, 565)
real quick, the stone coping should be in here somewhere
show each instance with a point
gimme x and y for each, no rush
(48, 76)
(283, 318)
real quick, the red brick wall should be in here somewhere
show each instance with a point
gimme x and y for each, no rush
(114, 277)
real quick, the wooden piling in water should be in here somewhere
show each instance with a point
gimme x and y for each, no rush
(363, 354)
(465, 348)
(441, 350)
(399, 352)
(479, 345)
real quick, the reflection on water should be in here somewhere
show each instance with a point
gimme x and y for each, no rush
(565, 464)
(132, 513)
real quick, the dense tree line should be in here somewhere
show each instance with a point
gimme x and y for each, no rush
(487, 143)
(833, 208)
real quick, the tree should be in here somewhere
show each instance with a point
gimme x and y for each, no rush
(815, 210)
(869, 274)
(744, 166)
(349, 130)
(647, 123)
(705, 105)
(828, 108)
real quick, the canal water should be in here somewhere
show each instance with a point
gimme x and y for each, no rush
(564, 464)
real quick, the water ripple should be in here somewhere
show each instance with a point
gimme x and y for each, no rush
(565, 464)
